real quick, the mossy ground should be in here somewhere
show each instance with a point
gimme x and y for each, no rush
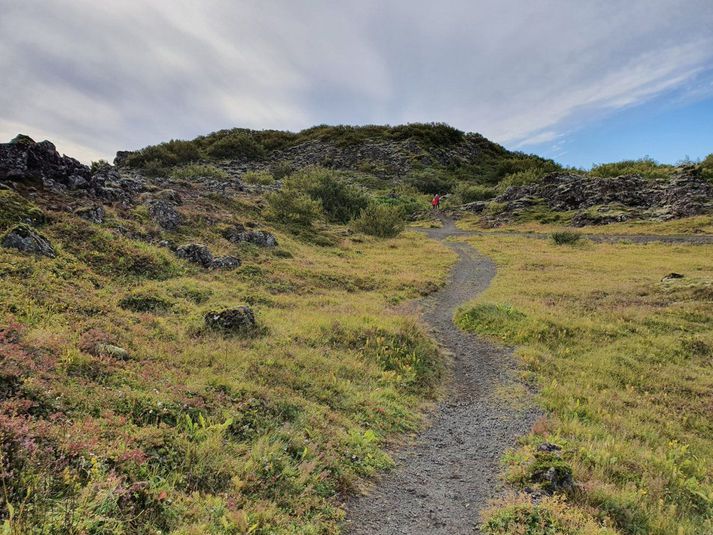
(622, 360)
(197, 432)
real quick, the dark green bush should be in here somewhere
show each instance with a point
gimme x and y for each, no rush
(380, 220)
(340, 201)
(236, 146)
(431, 181)
(466, 193)
(646, 167)
(707, 167)
(288, 206)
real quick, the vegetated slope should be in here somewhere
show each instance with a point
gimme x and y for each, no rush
(619, 337)
(175, 361)
(432, 157)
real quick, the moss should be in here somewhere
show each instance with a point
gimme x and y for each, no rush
(15, 209)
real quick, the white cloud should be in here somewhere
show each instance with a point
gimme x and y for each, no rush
(103, 76)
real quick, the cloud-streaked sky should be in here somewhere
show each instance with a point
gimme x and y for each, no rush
(578, 81)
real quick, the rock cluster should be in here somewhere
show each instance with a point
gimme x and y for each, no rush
(197, 253)
(598, 201)
(24, 160)
(239, 234)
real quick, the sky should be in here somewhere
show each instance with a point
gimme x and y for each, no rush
(582, 82)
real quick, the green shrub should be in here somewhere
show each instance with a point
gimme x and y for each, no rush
(198, 170)
(98, 165)
(157, 158)
(707, 167)
(520, 178)
(646, 167)
(431, 181)
(288, 206)
(282, 170)
(465, 193)
(262, 178)
(145, 301)
(340, 200)
(380, 220)
(16, 209)
(565, 237)
(236, 145)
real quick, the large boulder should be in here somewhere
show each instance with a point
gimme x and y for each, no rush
(197, 253)
(26, 239)
(233, 320)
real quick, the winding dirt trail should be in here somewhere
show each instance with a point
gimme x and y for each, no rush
(450, 472)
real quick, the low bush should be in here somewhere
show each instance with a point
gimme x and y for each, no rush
(192, 171)
(566, 237)
(145, 301)
(707, 167)
(261, 178)
(465, 193)
(287, 206)
(380, 220)
(431, 181)
(237, 145)
(646, 167)
(15, 209)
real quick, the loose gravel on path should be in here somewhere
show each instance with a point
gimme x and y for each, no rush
(441, 482)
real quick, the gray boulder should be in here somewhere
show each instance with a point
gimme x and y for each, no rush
(94, 214)
(232, 320)
(225, 262)
(195, 253)
(164, 213)
(28, 240)
(239, 233)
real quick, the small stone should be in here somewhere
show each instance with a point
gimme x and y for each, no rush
(672, 275)
(24, 238)
(115, 352)
(233, 320)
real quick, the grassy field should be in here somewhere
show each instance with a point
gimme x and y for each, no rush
(191, 431)
(623, 359)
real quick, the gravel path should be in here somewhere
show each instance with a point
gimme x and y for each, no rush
(450, 472)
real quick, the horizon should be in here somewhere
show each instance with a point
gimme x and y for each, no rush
(579, 85)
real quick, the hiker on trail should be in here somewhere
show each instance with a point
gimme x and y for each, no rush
(436, 202)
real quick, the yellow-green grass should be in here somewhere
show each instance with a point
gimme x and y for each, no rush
(702, 224)
(199, 432)
(624, 365)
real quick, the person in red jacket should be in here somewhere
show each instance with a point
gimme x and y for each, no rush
(436, 202)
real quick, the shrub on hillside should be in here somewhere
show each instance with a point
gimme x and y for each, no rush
(380, 220)
(192, 171)
(236, 145)
(165, 155)
(16, 209)
(520, 178)
(288, 206)
(707, 167)
(340, 201)
(465, 193)
(645, 167)
(431, 181)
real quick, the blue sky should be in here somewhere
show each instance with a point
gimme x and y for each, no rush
(581, 82)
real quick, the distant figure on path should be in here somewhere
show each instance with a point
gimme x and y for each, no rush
(436, 202)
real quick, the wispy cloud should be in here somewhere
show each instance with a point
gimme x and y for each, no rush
(101, 76)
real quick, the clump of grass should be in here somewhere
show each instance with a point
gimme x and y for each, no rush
(16, 209)
(645, 167)
(565, 237)
(261, 178)
(199, 170)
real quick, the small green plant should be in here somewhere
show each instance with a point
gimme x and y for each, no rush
(98, 165)
(261, 178)
(380, 220)
(566, 237)
(193, 171)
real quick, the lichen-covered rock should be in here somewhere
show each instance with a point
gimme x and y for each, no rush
(239, 233)
(232, 320)
(26, 239)
(164, 213)
(225, 262)
(115, 352)
(93, 214)
(195, 253)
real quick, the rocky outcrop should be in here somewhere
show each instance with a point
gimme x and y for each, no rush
(27, 240)
(164, 213)
(599, 201)
(25, 160)
(93, 214)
